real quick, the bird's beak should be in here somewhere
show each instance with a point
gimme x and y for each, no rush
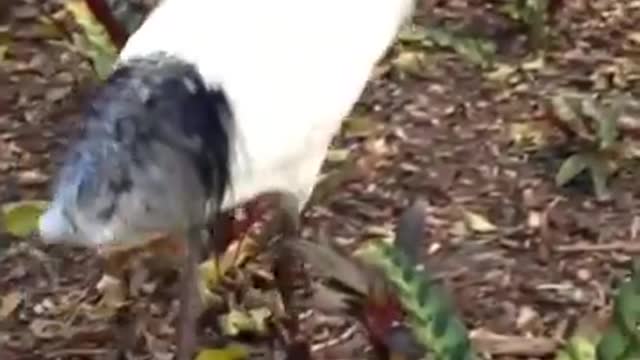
(53, 226)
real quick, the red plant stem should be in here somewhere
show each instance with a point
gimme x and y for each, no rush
(103, 13)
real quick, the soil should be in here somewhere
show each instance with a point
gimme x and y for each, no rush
(444, 136)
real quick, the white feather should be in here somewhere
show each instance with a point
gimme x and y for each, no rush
(292, 70)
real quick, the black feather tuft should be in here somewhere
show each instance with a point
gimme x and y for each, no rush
(161, 98)
(147, 107)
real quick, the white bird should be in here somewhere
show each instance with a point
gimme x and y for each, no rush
(211, 104)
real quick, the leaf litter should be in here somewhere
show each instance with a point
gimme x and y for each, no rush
(436, 127)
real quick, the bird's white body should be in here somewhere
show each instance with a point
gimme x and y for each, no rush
(292, 70)
(156, 150)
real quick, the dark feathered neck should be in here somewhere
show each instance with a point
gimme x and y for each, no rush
(164, 99)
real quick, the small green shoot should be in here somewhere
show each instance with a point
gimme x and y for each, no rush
(594, 124)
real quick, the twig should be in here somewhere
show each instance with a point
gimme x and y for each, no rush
(75, 352)
(343, 337)
(496, 344)
(617, 246)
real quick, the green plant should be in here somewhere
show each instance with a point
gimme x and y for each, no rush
(429, 312)
(93, 41)
(620, 340)
(531, 13)
(595, 126)
(476, 50)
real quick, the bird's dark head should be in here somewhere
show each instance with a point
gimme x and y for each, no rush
(154, 153)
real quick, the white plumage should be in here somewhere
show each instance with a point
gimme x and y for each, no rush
(213, 103)
(292, 70)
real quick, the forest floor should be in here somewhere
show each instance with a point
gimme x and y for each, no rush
(545, 259)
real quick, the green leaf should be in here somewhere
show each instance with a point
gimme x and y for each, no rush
(599, 172)
(3, 52)
(476, 50)
(536, 19)
(231, 352)
(577, 348)
(621, 340)
(95, 42)
(253, 321)
(21, 218)
(568, 108)
(608, 131)
(606, 119)
(412, 33)
(613, 345)
(429, 311)
(571, 167)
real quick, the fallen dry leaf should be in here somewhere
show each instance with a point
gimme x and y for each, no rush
(10, 303)
(338, 155)
(235, 255)
(477, 222)
(634, 36)
(113, 292)
(358, 126)
(32, 178)
(48, 329)
(528, 135)
(502, 72)
(253, 321)
(535, 64)
(411, 62)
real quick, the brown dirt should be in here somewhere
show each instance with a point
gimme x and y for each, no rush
(443, 137)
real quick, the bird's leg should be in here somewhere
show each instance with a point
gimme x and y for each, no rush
(222, 239)
(290, 206)
(190, 301)
(285, 263)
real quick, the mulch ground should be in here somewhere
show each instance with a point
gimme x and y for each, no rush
(444, 136)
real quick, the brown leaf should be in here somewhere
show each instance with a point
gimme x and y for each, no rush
(502, 73)
(529, 135)
(32, 178)
(25, 12)
(10, 303)
(235, 255)
(329, 262)
(58, 93)
(477, 222)
(411, 62)
(357, 126)
(328, 300)
(48, 329)
(337, 155)
(634, 36)
(113, 292)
